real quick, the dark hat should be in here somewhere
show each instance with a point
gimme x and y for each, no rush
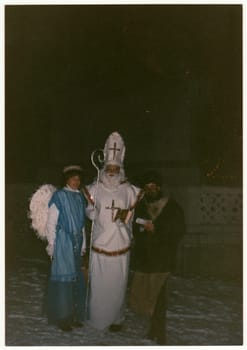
(151, 177)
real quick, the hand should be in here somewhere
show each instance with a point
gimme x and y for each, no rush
(122, 214)
(149, 226)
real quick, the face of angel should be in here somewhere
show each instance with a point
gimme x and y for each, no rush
(74, 182)
(112, 170)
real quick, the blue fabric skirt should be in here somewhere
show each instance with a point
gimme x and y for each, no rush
(66, 300)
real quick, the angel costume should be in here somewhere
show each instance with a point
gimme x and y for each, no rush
(66, 290)
(111, 240)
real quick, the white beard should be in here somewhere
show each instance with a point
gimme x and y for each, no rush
(112, 182)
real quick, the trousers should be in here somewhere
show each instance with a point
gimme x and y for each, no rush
(148, 296)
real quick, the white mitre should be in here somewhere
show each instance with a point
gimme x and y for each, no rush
(114, 150)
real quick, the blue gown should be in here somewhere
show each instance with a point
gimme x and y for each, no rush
(66, 288)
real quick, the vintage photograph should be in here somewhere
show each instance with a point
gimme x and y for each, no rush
(123, 174)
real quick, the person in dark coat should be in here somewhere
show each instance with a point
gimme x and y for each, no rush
(158, 230)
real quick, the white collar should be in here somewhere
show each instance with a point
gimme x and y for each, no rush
(67, 187)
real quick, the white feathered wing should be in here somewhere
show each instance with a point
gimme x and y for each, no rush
(38, 209)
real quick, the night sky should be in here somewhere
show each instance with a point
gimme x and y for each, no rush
(79, 72)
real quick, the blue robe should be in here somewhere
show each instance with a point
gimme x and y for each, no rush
(66, 289)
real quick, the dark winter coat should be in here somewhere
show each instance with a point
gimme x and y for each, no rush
(157, 251)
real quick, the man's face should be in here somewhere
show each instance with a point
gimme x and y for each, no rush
(152, 190)
(112, 170)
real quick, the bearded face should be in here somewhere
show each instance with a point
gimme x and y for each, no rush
(152, 192)
(112, 176)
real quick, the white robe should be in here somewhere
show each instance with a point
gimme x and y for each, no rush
(109, 274)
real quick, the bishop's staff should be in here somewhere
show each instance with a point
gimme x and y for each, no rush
(93, 202)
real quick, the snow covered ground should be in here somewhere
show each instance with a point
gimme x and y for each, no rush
(200, 312)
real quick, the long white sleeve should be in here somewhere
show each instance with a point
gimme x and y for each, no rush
(51, 228)
(91, 212)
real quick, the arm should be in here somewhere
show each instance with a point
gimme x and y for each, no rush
(127, 215)
(90, 212)
(91, 207)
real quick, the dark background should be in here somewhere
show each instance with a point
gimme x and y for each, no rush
(76, 73)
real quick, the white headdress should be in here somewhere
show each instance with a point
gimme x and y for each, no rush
(72, 168)
(114, 150)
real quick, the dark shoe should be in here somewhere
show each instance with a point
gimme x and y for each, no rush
(161, 340)
(115, 327)
(150, 336)
(64, 326)
(77, 324)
